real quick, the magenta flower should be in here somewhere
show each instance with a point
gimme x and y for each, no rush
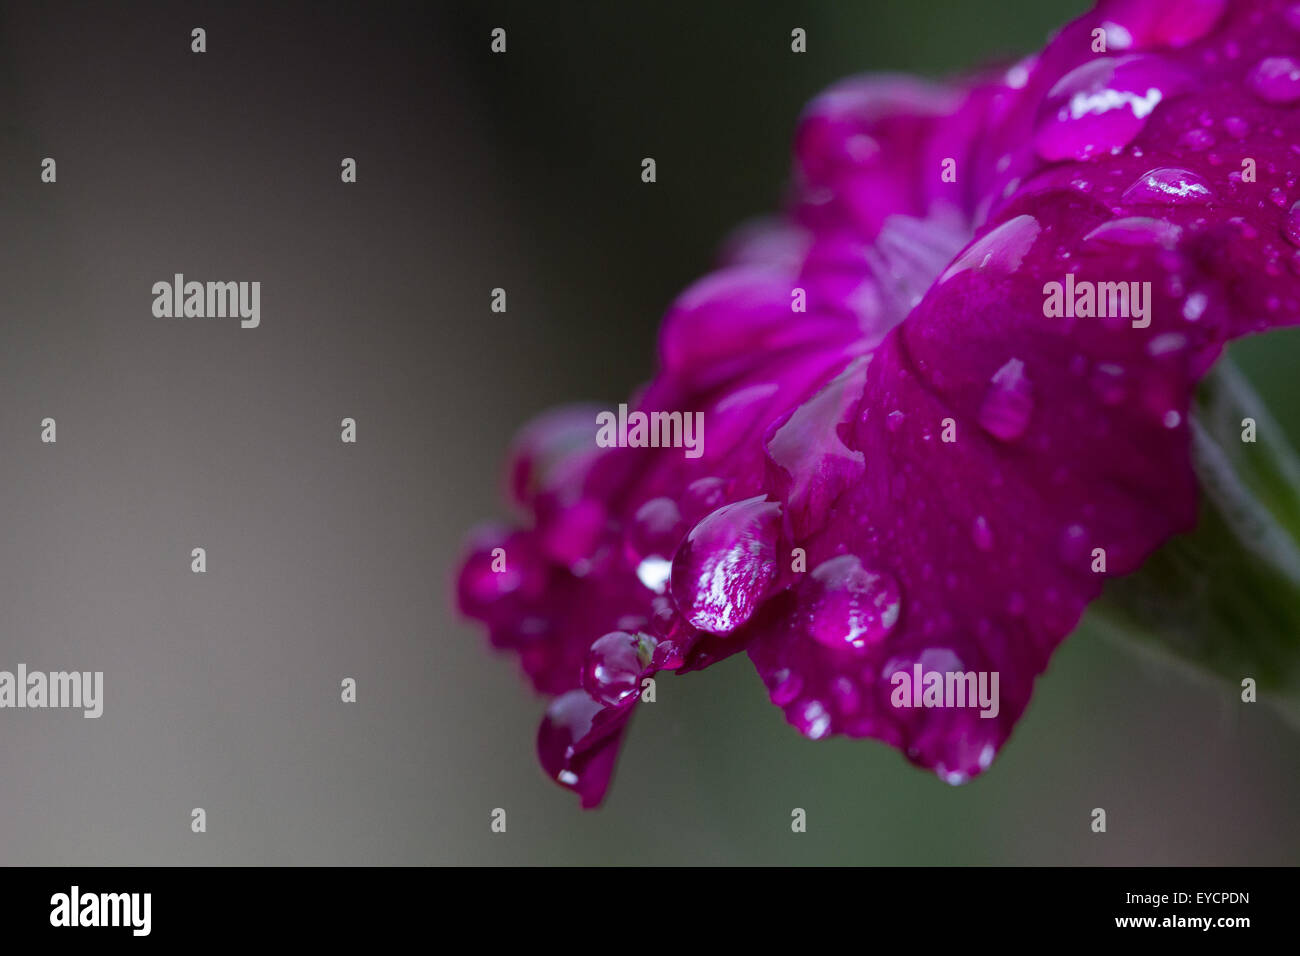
(946, 396)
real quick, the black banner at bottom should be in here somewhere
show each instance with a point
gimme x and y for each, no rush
(93, 905)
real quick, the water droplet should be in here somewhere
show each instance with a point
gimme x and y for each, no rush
(723, 568)
(573, 744)
(1074, 543)
(654, 572)
(1000, 251)
(1008, 403)
(981, 534)
(1169, 186)
(1102, 105)
(1174, 23)
(1167, 343)
(1196, 140)
(655, 531)
(1276, 79)
(1136, 231)
(784, 687)
(894, 420)
(703, 496)
(615, 663)
(1172, 419)
(849, 606)
(1237, 127)
(815, 722)
(1107, 382)
(1195, 305)
(1291, 226)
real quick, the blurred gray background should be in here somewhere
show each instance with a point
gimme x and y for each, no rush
(328, 560)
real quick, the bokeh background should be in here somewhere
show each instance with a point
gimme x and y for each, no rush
(328, 560)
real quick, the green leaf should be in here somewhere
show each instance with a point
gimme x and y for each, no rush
(1226, 597)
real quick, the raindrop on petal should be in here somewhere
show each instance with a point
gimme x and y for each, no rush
(723, 568)
(1008, 403)
(615, 662)
(1291, 226)
(1276, 79)
(1169, 186)
(848, 605)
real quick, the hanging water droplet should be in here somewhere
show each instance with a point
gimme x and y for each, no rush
(982, 534)
(849, 606)
(1169, 186)
(572, 744)
(1276, 80)
(615, 663)
(1108, 383)
(723, 568)
(1008, 403)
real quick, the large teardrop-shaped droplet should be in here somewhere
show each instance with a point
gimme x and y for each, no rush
(723, 568)
(577, 743)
